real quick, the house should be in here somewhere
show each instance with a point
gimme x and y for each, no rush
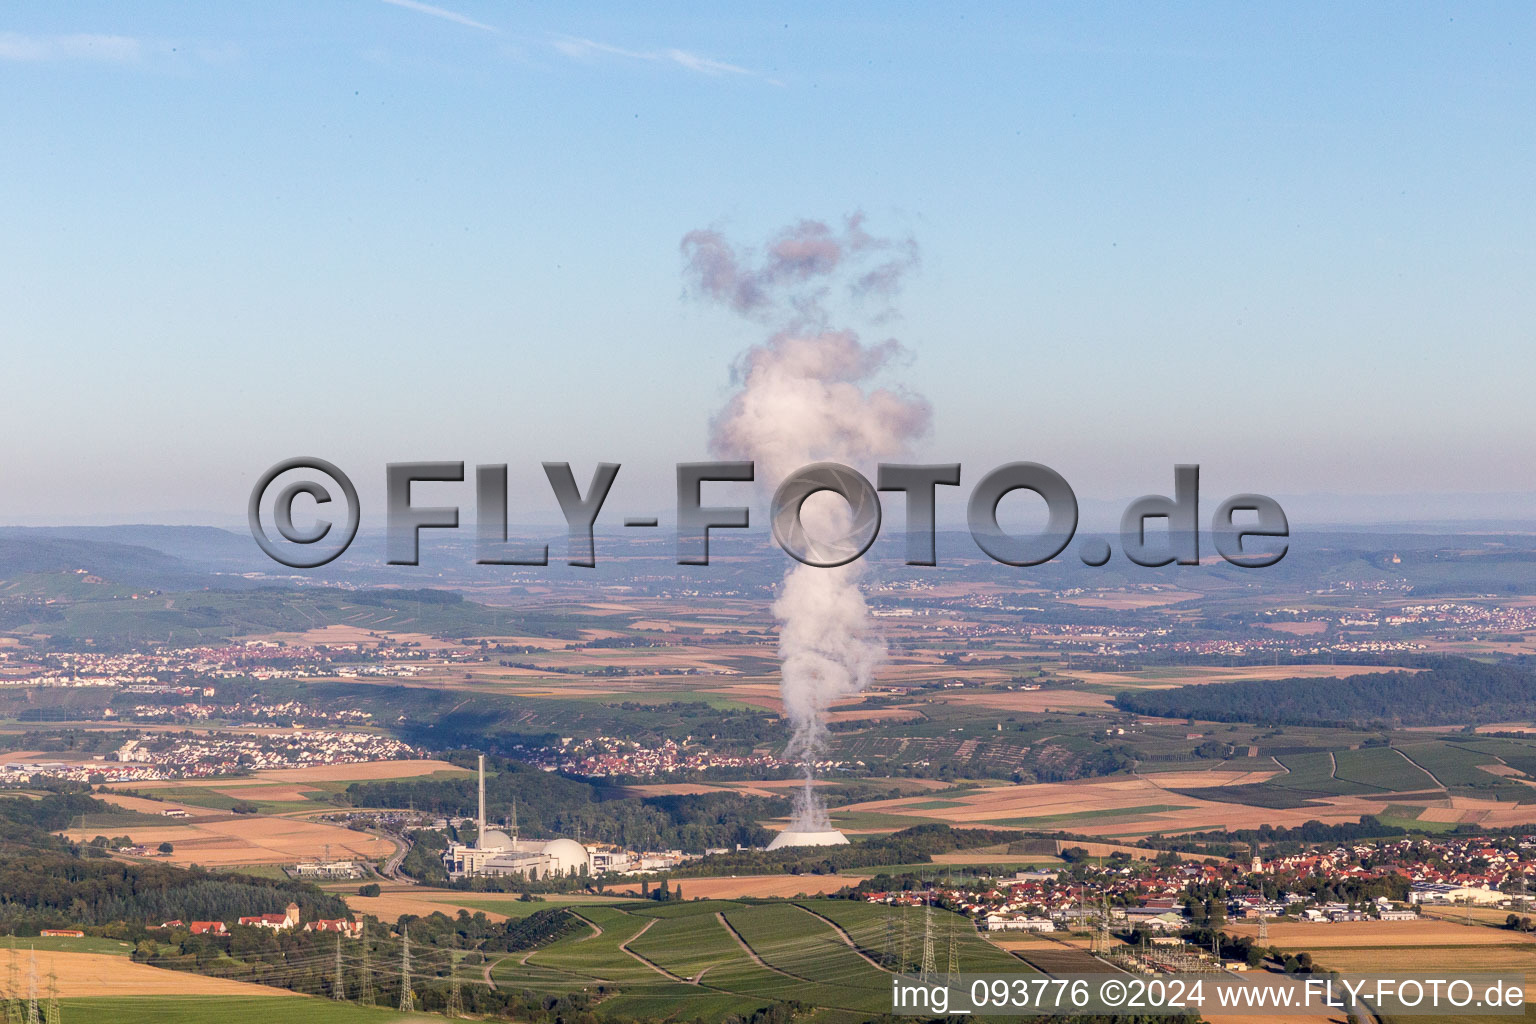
(276, 922)
(209, 928)
(351, 929)
(172, 924)
(1444, 892)
(1398, 915)
(1167, 921)
(1017, 923)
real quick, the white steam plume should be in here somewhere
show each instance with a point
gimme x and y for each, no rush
(811, 394)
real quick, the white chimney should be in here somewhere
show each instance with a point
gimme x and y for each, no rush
(480, 835)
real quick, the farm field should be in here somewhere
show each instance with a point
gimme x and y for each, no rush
(865, 924)
(229, 1009)
(1118, 806)
(724, 887)
(89, 974)
(398, 898)
(233, 840)
(712, 957)
(1386, 935)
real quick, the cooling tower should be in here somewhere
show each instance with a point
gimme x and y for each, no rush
(829, 838)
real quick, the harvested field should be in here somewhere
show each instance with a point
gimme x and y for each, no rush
(1032, 700)
(143, 806)
(1299, 628)
(1138, 598)
(276, 792)
(1385, 935)
(874, 715)
(337, 635)
(92, 974)
(235, 840)
(1190, 675)
(726, 888)
(1210, 777)
(397, 898)
(1116, 806)
(360, 771)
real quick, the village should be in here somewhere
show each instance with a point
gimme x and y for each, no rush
(1385, 881)
(205, 755)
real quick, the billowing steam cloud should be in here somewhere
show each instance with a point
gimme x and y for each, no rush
(810, 393)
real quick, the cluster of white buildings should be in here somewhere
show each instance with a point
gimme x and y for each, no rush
(495, 853)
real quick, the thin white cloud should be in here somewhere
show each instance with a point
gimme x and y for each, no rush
(15, 46)
(440, 12)
(579, 49)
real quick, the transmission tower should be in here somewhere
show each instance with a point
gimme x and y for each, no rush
(13, 986)
(1101, 934)
(952, 972)
(407, 1000)
(51, 1016)
(339, 986)
(888, 953)
(365, 982)
(928, 970)
(455, 1007)
(32, 1015)
(1263, 928)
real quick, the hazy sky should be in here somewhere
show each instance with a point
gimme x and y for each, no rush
(1292, 244)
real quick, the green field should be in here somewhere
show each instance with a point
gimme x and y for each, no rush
(228, 1010)
(696, 959)
(84, 944)
(865, 923)
(1382, 768)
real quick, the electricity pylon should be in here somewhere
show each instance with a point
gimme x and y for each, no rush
(32, 1016)
(365, 982)
(952, 974)
(13, 1010)
(339, 986)
(888, 952)
(455, 1007)
(928, 970)
(407, 999)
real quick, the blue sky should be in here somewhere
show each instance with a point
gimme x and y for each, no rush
(1294, 245)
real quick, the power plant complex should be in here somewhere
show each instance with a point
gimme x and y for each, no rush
(495, 853)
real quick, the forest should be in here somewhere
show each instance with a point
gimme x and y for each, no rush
(1455, 691)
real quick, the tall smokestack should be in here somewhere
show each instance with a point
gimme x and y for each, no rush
(811, 393)
(480, 822)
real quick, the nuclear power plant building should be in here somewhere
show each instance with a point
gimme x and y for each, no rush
(495, 853)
